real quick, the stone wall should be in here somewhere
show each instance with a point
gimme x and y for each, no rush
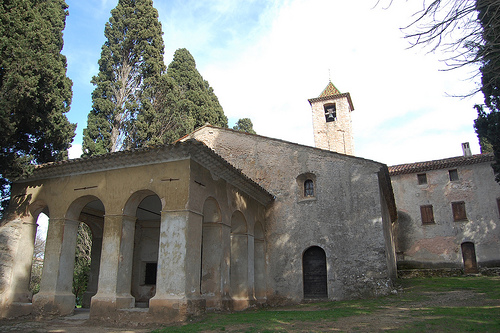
(345, 217)
(336, 135)
(438, 245)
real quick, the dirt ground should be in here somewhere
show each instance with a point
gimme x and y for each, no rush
(389, 318)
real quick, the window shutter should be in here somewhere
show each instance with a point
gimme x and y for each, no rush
(458, 211)
(427, 214)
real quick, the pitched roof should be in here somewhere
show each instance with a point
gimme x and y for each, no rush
(330, 90)
(332, 93)
(193, 149)
(440, 164)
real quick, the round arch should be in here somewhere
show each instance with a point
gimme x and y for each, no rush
(314, 272)
(211, 211)
(238, 223)
(136, 199)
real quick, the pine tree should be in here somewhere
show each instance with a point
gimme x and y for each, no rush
(35, 92)
(244, 125)
(197, 97)
(131, 63)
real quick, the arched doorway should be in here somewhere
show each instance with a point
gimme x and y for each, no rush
(88, 252)
(314, 273)
(469, 257)
(146, 242)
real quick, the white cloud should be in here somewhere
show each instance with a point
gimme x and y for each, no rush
(75, 151)
(265, 59)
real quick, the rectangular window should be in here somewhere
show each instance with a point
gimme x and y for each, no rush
(422, 178)
(459, 211)
(330, 112)
(150, 276)
(453, 175)
(427, 214)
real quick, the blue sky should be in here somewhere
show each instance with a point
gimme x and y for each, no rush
(265, 59)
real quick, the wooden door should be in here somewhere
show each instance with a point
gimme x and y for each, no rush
(469, 256)
(314, 273)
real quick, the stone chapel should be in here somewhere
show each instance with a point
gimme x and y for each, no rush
(220, 220)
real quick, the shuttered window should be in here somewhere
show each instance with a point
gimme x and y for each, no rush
(458, 211)
(427, 214)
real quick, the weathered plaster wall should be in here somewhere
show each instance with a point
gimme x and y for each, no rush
(336, 135)
(438, 245)
(344, 217)
(174, 238)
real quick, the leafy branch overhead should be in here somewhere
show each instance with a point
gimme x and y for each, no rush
(35, 93)
(469, 30)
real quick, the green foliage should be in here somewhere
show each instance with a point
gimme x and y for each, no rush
(82, 261)
(487, 124)
(130, 66)
(35, 93)
(166, 119)
(487, 127)
(37, 265)
(196, 96)
(244, 125)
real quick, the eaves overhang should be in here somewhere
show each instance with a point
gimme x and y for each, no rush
(446, 163)
(333, 97)
(190, 149)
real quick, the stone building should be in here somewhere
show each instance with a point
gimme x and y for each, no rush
(448, 213)
(221, 220)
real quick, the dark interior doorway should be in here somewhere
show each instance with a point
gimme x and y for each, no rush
(469, 256)
(314, 271)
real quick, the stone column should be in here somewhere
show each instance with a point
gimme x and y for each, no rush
(227, 302)
(239, 271)
(56, 296)
(115, 269)
(260, 270)
(212, 256)
(179, 262)
(94, 271)
(251, 270)
(17, 238)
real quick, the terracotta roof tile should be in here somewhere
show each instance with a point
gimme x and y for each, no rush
(440, 164)
(330, 90)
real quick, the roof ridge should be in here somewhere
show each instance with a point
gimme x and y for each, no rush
(440, 163)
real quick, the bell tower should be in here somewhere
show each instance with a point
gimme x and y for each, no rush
(332, 125)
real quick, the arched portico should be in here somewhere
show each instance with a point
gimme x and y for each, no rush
(115, 280)
(56, 296)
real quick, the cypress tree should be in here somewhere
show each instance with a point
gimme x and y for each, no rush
(487, 124)
(35, 92)
(244, 125)
(197, 97)
(166, 119)
(131, 64)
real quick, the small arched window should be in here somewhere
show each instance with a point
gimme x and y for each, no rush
(309, 188)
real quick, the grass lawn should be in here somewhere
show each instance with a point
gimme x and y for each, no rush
(459, 304)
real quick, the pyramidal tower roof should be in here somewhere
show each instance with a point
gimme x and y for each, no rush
(330, 90)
